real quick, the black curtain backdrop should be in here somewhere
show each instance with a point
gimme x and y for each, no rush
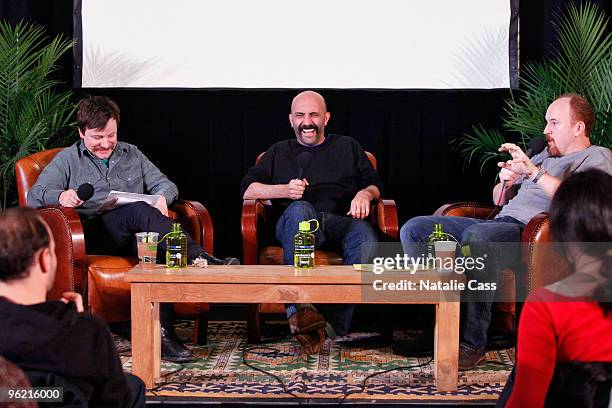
(205, 140)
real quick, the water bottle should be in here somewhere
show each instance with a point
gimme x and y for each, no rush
(304, 245)
(176, 247)
(437, 234)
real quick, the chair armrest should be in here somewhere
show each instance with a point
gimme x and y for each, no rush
(384, 213)
(537, 229)
(468, 209)
(544, 264)
(67, 230)
(194, 217)
(253, 215)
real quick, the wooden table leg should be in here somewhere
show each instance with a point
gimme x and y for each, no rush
(446, 346)
(146, 337)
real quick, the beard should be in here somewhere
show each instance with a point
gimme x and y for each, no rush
(308, 127)
(552, 150)
(316, 134)
(106, 152)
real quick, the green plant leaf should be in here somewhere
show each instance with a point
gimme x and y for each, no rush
(582, 63)
(34, 115)
(481, 145)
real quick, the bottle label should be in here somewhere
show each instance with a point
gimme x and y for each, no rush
(305, 248)
(174, 256)
(303, 256)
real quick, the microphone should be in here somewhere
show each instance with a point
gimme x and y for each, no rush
(303, 160)
(85, 191)
(535, 146)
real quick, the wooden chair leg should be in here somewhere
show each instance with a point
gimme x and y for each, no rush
(200, 331)
(253, 324)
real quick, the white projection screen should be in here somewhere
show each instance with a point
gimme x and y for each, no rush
(269, 44)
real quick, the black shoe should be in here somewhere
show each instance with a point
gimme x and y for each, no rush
(172, 348)
(231, 261)
(213, 260)
(418, 343)
(500, 340)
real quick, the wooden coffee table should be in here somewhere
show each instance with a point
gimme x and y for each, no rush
(151, 285)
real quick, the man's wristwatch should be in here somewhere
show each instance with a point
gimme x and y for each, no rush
(539, 175)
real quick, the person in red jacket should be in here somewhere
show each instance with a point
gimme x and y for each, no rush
(569, 321)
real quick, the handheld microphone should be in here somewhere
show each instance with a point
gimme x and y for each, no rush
(535, 146)
(303, 160)
(85, 191)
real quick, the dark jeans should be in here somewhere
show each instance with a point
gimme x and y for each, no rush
(491, 239)
(113, 232)
(336, 232)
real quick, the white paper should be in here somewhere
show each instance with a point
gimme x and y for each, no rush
(119, 198)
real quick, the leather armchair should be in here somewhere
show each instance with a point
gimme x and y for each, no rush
(383, 216)
(99, 278)
(12, 377)
(539, 264)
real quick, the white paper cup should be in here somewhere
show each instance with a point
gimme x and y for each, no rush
(445, 255)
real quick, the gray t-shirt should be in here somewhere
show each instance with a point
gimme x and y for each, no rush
(532, 200)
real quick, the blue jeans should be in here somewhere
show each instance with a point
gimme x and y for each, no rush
(336, 232)
(482, 237)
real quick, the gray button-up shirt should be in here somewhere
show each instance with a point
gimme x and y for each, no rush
(128, 170)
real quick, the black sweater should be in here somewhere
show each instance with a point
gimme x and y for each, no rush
(53, 337)
(339, 169)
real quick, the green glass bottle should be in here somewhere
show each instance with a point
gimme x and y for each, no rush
(304, 249)
(176, 248)
(437, 234)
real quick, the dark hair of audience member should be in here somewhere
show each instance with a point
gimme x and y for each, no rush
(581, 213)
(22, 233)
(94, 112)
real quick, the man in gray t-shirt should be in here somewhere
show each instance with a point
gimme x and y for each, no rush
(569, 121)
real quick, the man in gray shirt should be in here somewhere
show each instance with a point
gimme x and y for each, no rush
(569, 121)
(107, 164)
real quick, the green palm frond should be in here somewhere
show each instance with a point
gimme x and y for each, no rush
(33, 114)
(482, 146)
(582, 63)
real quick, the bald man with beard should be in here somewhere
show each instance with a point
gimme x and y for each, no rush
(336, 189)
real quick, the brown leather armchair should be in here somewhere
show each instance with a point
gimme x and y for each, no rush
(539, 265)
(99, 278)
(383, 216)
(12, 377)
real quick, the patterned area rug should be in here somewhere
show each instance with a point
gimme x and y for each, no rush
(339, 369)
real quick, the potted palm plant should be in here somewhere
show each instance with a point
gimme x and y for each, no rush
(581, 63)
(34, 115)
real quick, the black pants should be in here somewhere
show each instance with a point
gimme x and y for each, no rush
(112, 233)
(137, 390)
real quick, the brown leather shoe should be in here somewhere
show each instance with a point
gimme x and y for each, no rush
(312, 341)
(470, 357)
(306, 320)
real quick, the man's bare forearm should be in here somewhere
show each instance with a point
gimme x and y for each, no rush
(373, 191)
(497, 190)
(260, 191)
(508, 193)
(549, 184)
